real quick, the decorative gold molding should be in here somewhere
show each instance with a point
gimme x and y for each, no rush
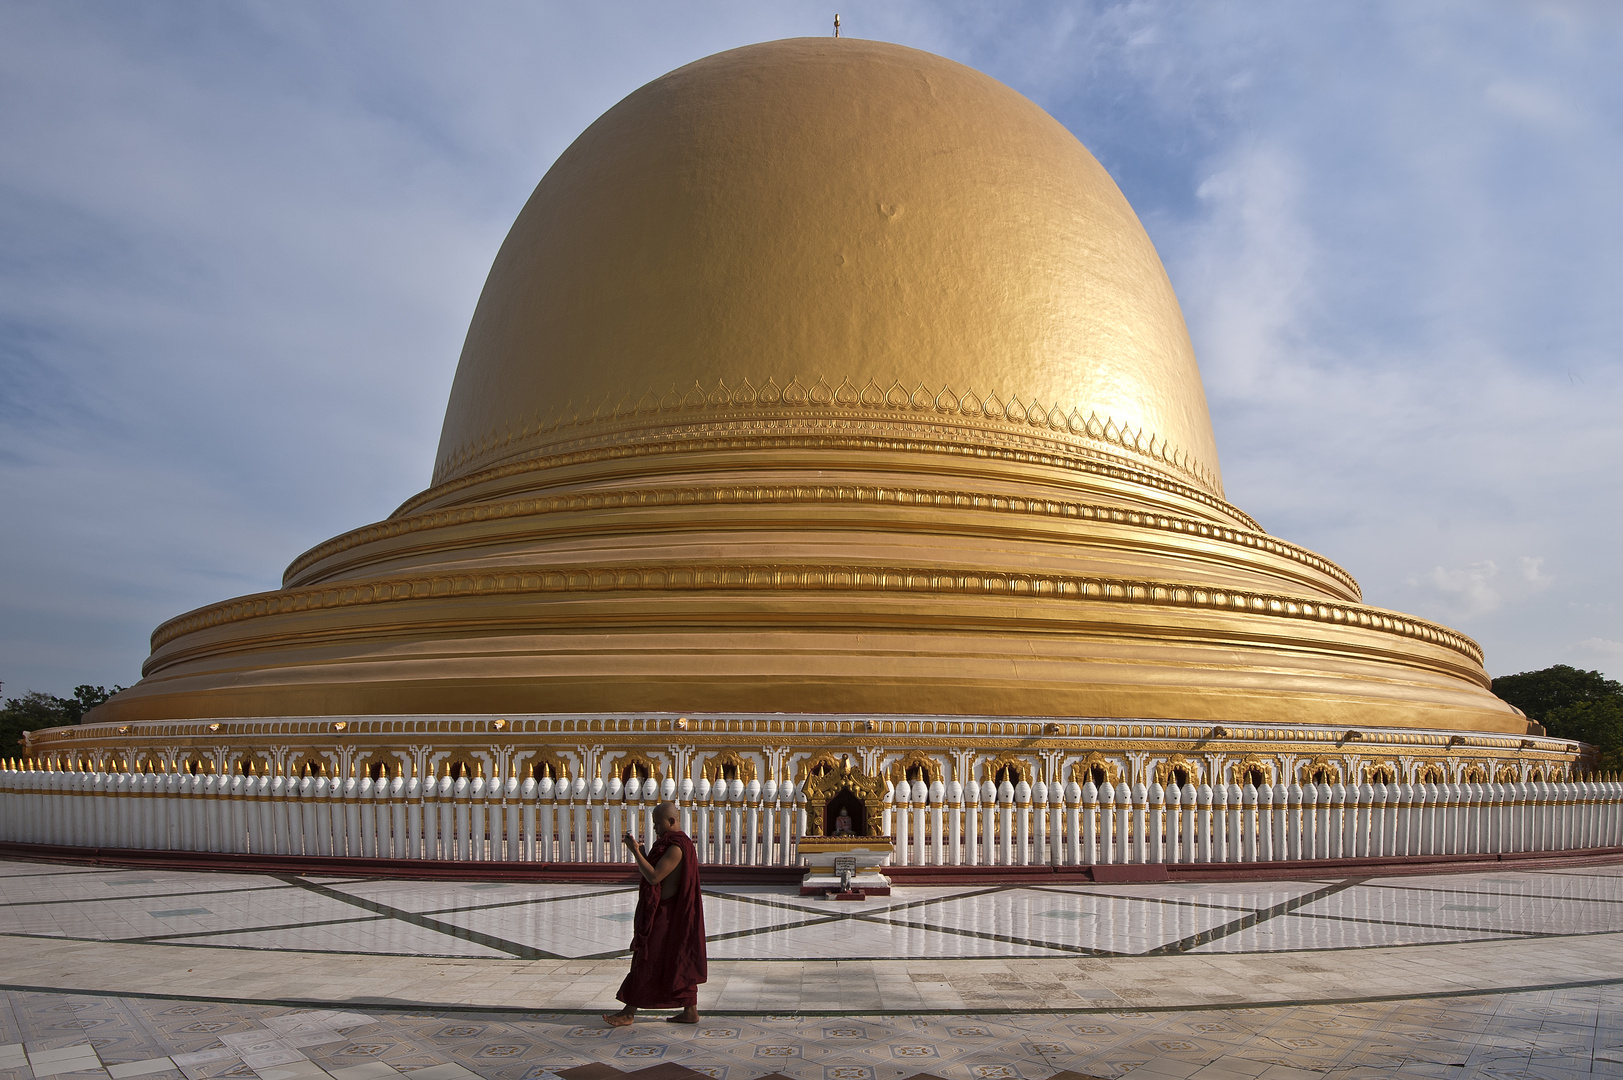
(145, 738)
(635, 759)
(549, 761)
(791, 494)
(1082, 771)
(1318, 766)
(317, 760)
(931, 767)
(743, 767)
(948, 405)
(1020, 768)
(1250, 766)
(1380, 772)
(835, 433)
(1165, 771)
(804, 770)
(777, 577)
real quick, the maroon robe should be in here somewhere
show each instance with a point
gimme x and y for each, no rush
(667, 941)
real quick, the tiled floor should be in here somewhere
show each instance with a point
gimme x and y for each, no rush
(1546, 1035)
(112, 975)
(248, 911)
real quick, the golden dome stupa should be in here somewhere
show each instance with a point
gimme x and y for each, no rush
(822, 377)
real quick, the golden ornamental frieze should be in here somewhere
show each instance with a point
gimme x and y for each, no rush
(1006, 410)
(1177, 766)
(991, 745)
(1318, 769)
(827, 746)
(1096, 767)
(724, 733)
(1254, 769)
(790, 494)
(929, 767)
(777, 577)
(1010, 765)
(824, 737)
(740, 764)
(829, 433)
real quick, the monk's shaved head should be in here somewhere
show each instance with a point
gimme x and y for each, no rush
(665, 815)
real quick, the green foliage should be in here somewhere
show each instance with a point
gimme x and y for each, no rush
(1599, 723)
(1539, 693)
(35, 710)
(87, 697)
(30, 712)
(1572, 704)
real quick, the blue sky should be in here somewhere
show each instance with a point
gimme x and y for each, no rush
(240, 244)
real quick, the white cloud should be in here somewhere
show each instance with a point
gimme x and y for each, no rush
(1532, 567)
(1604, 648)
(1400, 277)
(1532, 104)
(1469, 589)
(1247, 276)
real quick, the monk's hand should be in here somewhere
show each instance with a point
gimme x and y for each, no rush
(629, 840)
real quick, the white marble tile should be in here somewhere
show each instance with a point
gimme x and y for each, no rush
(371, 1070)
(899, 897)
(850, 939)
(420, 896)
(447, 1071)
(386, 936)
(168, 915)
(575, 921)
(201, 1063)
(296, 1070)
(1079, 920)
(1293, 932)
(1242, 895)
(725, 915)
(587, 926)
(1603, 887)
(264, 1055)
(130, 1069)
(66, 1059)
(1477, 909)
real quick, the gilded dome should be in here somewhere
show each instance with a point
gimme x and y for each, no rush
(822, 377)
(822, 216)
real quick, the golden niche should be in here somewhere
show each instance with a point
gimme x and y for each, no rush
(845, 803)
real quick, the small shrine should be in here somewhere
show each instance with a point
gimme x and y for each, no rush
(844, 845)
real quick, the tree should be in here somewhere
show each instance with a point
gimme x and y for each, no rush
(30, 712)
(35, 710)
(1539, 693)
(1599, 723)
(87, 697)
(1571, 704)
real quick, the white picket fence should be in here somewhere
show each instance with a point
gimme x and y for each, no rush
(758, 824)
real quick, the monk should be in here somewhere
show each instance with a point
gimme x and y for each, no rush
(667, 941)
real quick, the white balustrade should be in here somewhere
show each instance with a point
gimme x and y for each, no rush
(758, 823)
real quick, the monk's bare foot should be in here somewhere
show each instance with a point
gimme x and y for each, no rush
(619, 1019)
(689, 1015)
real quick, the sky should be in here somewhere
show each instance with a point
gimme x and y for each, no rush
(240, 245)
